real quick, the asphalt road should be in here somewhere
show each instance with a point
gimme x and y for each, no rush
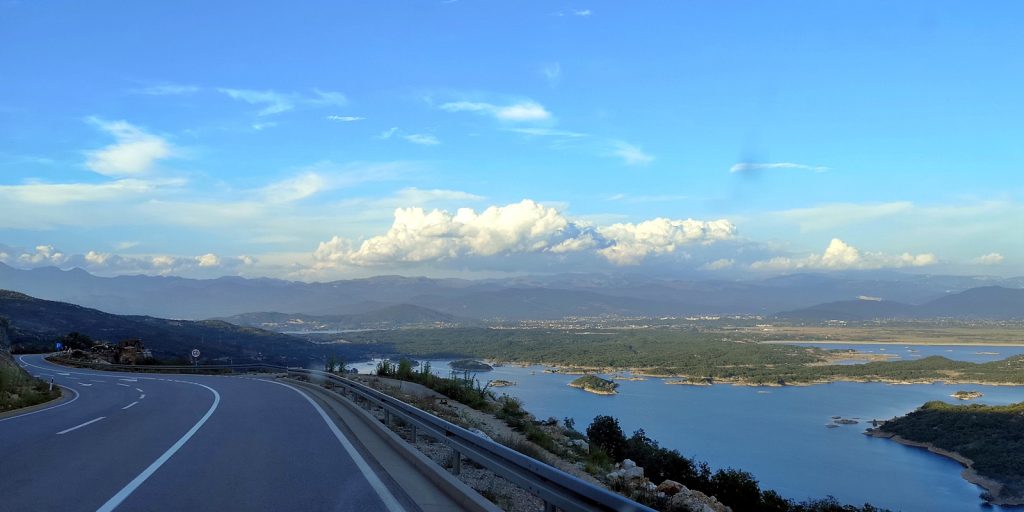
(171, 443)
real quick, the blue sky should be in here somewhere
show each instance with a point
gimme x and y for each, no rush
(315, 140)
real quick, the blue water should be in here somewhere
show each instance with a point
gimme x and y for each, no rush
(778, 434)
(972, 353)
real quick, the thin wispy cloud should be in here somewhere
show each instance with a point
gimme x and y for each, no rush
(167, 90)
(271, 101)
(547, 132)
(387, 134)
(134, 152)
(750, 167)
(631, 154)
(422, 139)
(514, 112)
(275, 102)
(345, 119)
(552, 73)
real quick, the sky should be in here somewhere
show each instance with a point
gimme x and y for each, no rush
(324, 140)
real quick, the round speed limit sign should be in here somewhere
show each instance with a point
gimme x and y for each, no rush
(195, 352)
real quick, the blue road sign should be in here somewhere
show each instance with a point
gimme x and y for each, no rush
(60, 345)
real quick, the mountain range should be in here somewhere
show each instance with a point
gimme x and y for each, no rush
(982, 303)
(517, 298)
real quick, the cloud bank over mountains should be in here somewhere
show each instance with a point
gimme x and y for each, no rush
(519, 228)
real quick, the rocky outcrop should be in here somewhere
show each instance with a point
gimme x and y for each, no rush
(628, 478)
(687, 500)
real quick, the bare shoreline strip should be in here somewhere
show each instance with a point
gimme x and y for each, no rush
(894, 343)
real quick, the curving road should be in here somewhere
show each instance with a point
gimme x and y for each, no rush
(170, 443)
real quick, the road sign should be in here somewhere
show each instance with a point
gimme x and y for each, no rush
(60, 345)
(195, 352)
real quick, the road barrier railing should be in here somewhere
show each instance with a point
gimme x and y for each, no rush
(558, 489)
(208, 369)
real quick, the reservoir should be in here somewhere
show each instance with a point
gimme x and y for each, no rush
(779, 434)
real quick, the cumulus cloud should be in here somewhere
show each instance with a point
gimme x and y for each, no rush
(841, 256)
(750, 167)
(527, 227)
(515, 112)
(992, 258)
(719, 264)
(208, 260)
(42, 255)
(631, 243)
(134, 152)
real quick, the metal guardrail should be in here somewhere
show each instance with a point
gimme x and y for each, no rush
(558, 489)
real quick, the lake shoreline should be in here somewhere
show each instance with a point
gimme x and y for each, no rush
(993, 488)
(894, 343)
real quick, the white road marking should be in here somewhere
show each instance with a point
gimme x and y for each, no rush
(125, 385)
(139, 390)
(46, 409)
(123, 494)
(142, 396)
(90, 422)
(129, 405)
(382, 491)
(84, 384)
(129, 380)
(60, 373)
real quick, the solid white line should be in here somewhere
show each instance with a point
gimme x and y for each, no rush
(46, 409)
(382, 491)
(90, 422)
(129, 405)
(123, 494)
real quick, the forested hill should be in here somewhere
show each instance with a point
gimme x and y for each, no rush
(35, 324)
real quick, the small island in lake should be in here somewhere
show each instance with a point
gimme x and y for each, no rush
(470, 365)
(967, 395)
(984, 438)
(500, 383)
(595, 384)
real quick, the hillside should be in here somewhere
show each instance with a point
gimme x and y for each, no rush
(987, 302)
(34, 324)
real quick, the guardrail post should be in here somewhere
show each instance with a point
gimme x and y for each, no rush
(456, 462)
(387, 416)
(413, 433)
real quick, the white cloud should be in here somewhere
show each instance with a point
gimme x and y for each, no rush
(422, 139)
(527, 227)
(345, 119)
(43, 254)
(516, 112)
(992, 258)
(386, 134)
(829, 216)
(208, 260)
(263, 126)
(547, 132)
(97, 258)
(719, 264)
(582, 12)
(273, 102)
(748, 167)
(631, 243)
(841, 256)
(630, 154)
(295, 188)
(65, 193)
(328, 98)
(133, 154)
